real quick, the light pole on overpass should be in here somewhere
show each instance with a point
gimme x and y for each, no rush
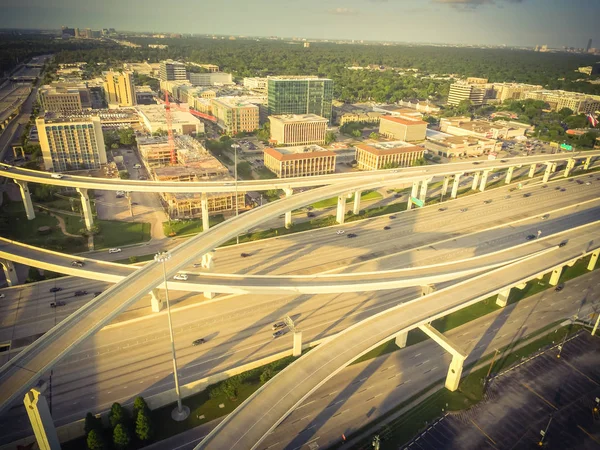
(181, 412)
(235, 147)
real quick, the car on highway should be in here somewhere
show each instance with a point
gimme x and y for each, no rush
(55, 289)
(2, 295)
(7, 167)
(477, 162)
(244, 255)
(310, 214)
(544, 186)
(559, 288)
(96, 294)
(504, 160)
(55, 304)
(442, 209)
(278, 333)
(387, 228)
(199, 342)
(57, 175)
(137, 166)
(351, 235)
(507, 197)
(197, 265)
(392, 217)
(562, 244)
(530, 237)
(563, 189)
(579, 182)
(181, 277)
(340, 232)
(278, 326)
(557, 188)
(79, 293)
(464, 209)
(571, 180)
(114, 250)
(545, 216)
(588, 183)
(77, 263)
(527, 195)
(487, 202)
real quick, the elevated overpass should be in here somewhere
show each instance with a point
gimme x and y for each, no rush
(260, 414)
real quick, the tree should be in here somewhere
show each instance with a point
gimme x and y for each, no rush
(92, 423)
(231, 388)
(124, 175)
(126, 136)
(266, 375)
(33, 275)
(565, 112)
(464, 106)
(420, 162)
(139, 404)
(111, 139)
(117, 415)
(374, 135)
(143, 426)
(330, 137)
(95, 440)
(391, 165)
(121, 436)
(356, 133)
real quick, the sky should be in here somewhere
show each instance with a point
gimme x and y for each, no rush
(555, 23)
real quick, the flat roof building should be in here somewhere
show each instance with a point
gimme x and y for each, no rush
(300, 95)
(450, 146)
(256, 84)
(210, 79)
(298, 129)
(154, 118)
(172, 70)
(500, 129)
(575, 101)
(235, 114)
(119, 89)
(463, 90)
(403, 128)
(301, 161)
(64, 98)
(384, 155)
(71, 142)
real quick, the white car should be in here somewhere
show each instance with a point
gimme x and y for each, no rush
(114, 250)
(181, 277)
(137, 166)
(340, 232)
(2, 295)
(56, 175)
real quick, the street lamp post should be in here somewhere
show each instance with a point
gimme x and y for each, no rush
(235, 147)
(181, 412)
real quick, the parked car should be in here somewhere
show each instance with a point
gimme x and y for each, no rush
(77, 263)
(114, 250)
(55, 289)
(55, 304)
(199, 342)
(181, 277)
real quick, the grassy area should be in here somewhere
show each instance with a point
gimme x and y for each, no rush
(244, 170)
(264, 173)
(330, 202)
(193, 226)
(136, 259)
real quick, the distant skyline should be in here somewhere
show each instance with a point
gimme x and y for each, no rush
(555, 23)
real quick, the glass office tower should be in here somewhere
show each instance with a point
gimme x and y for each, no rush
(300, 95)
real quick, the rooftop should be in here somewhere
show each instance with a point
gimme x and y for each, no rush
(297, 152)
(296, 77)
(235, 102)
(156, 113)
(389, 148)
(404, 120)
(58, 117)
(291, 118)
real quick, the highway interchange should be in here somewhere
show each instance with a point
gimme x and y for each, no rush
(231, 346)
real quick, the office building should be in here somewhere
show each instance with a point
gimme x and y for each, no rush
(575, 101)
(235, 115)
(589, 45)
(172, 70)
(154, 118)
(119, 89)
(302, 161)
(464, 90)
(594, 69)
(71, 142)
(360, 117)
(384, 155)
(211, 79)
(207, 67)
(298, 129)
(450, 146)
(144, 95)
(70, 32)
(189, 206)
(499, 129)
(403, 128)
(256, 84)
(63, 98)
(300, 95)
(501, 92)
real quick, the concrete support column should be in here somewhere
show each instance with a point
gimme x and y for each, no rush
(475, 181)
(356, 208)
(593, 260)
(341, 209)
(484, 177)
(588, 163)
(413, 193)
(550, 167)
(401, 339)
(455, 185)
(569, 167)
(509, 175)
(555, 277)
(532, 170)
(205, 216)
(208, 264)
(445, 185)
(423, 191)
(9, 272)
(87, 208)
(502, 299)
(454, 372)
(297, 350)
(427, 289)
(155, 301)
(26, 196)
(288, 215)
(41, 419)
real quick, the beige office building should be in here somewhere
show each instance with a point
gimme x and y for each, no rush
(71, 142)
(383, 154)
(298, 129)
(575, 101)
(302, 161)
(464, 90)
(456, 146)
(403, 128)
(119, 89)
(235, 115)
(64, 98)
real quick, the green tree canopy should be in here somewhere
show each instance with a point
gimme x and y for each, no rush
(121, 436)
(117, 415)
(143, 426)
(95, 440)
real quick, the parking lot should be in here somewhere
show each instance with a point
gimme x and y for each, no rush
(545, 393)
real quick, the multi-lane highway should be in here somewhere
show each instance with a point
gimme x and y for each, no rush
(251, 422)
(241, 334)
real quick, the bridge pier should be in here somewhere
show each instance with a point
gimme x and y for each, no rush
(588, 163)
(455, 185)
(458, 356)
(593, 260)
(297, 349)
(401, 339)
(356, 208)
(427, 289)
(445, 185)
(532, 170)
(155, 301)
(550, 168)
(9, 272)
(413, 193)
(484, 177)
(423, 191)
(41, 419)
(502, 299)
(509, 175)
(205, 216)
(341, 209)
(87, 208)
(555, 277)
(475, 180)
(288, 215)
(569, 167)
(208, 264)
(26, 196)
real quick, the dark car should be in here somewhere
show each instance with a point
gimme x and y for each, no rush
(579, 182)
(477, 162)
(563, 190)
(557, 188)
(397, 195)
(530, 237)
(544, 186)
(310, 208)
(527, 195)
(278, 333)
(464, 209)
(387, 228)
(245, 255)
(571, 180)
(55, 304)
(96, 294)
(55, 289)
(559, 287)
(310, 214)
(442, 209)
(392, 217)
(79, 293)
(487, 202)
(278, 326)
(199, 342)
(351, 235)
(504, 160)
(562, 244)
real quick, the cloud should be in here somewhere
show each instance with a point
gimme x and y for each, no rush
(343, 11)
